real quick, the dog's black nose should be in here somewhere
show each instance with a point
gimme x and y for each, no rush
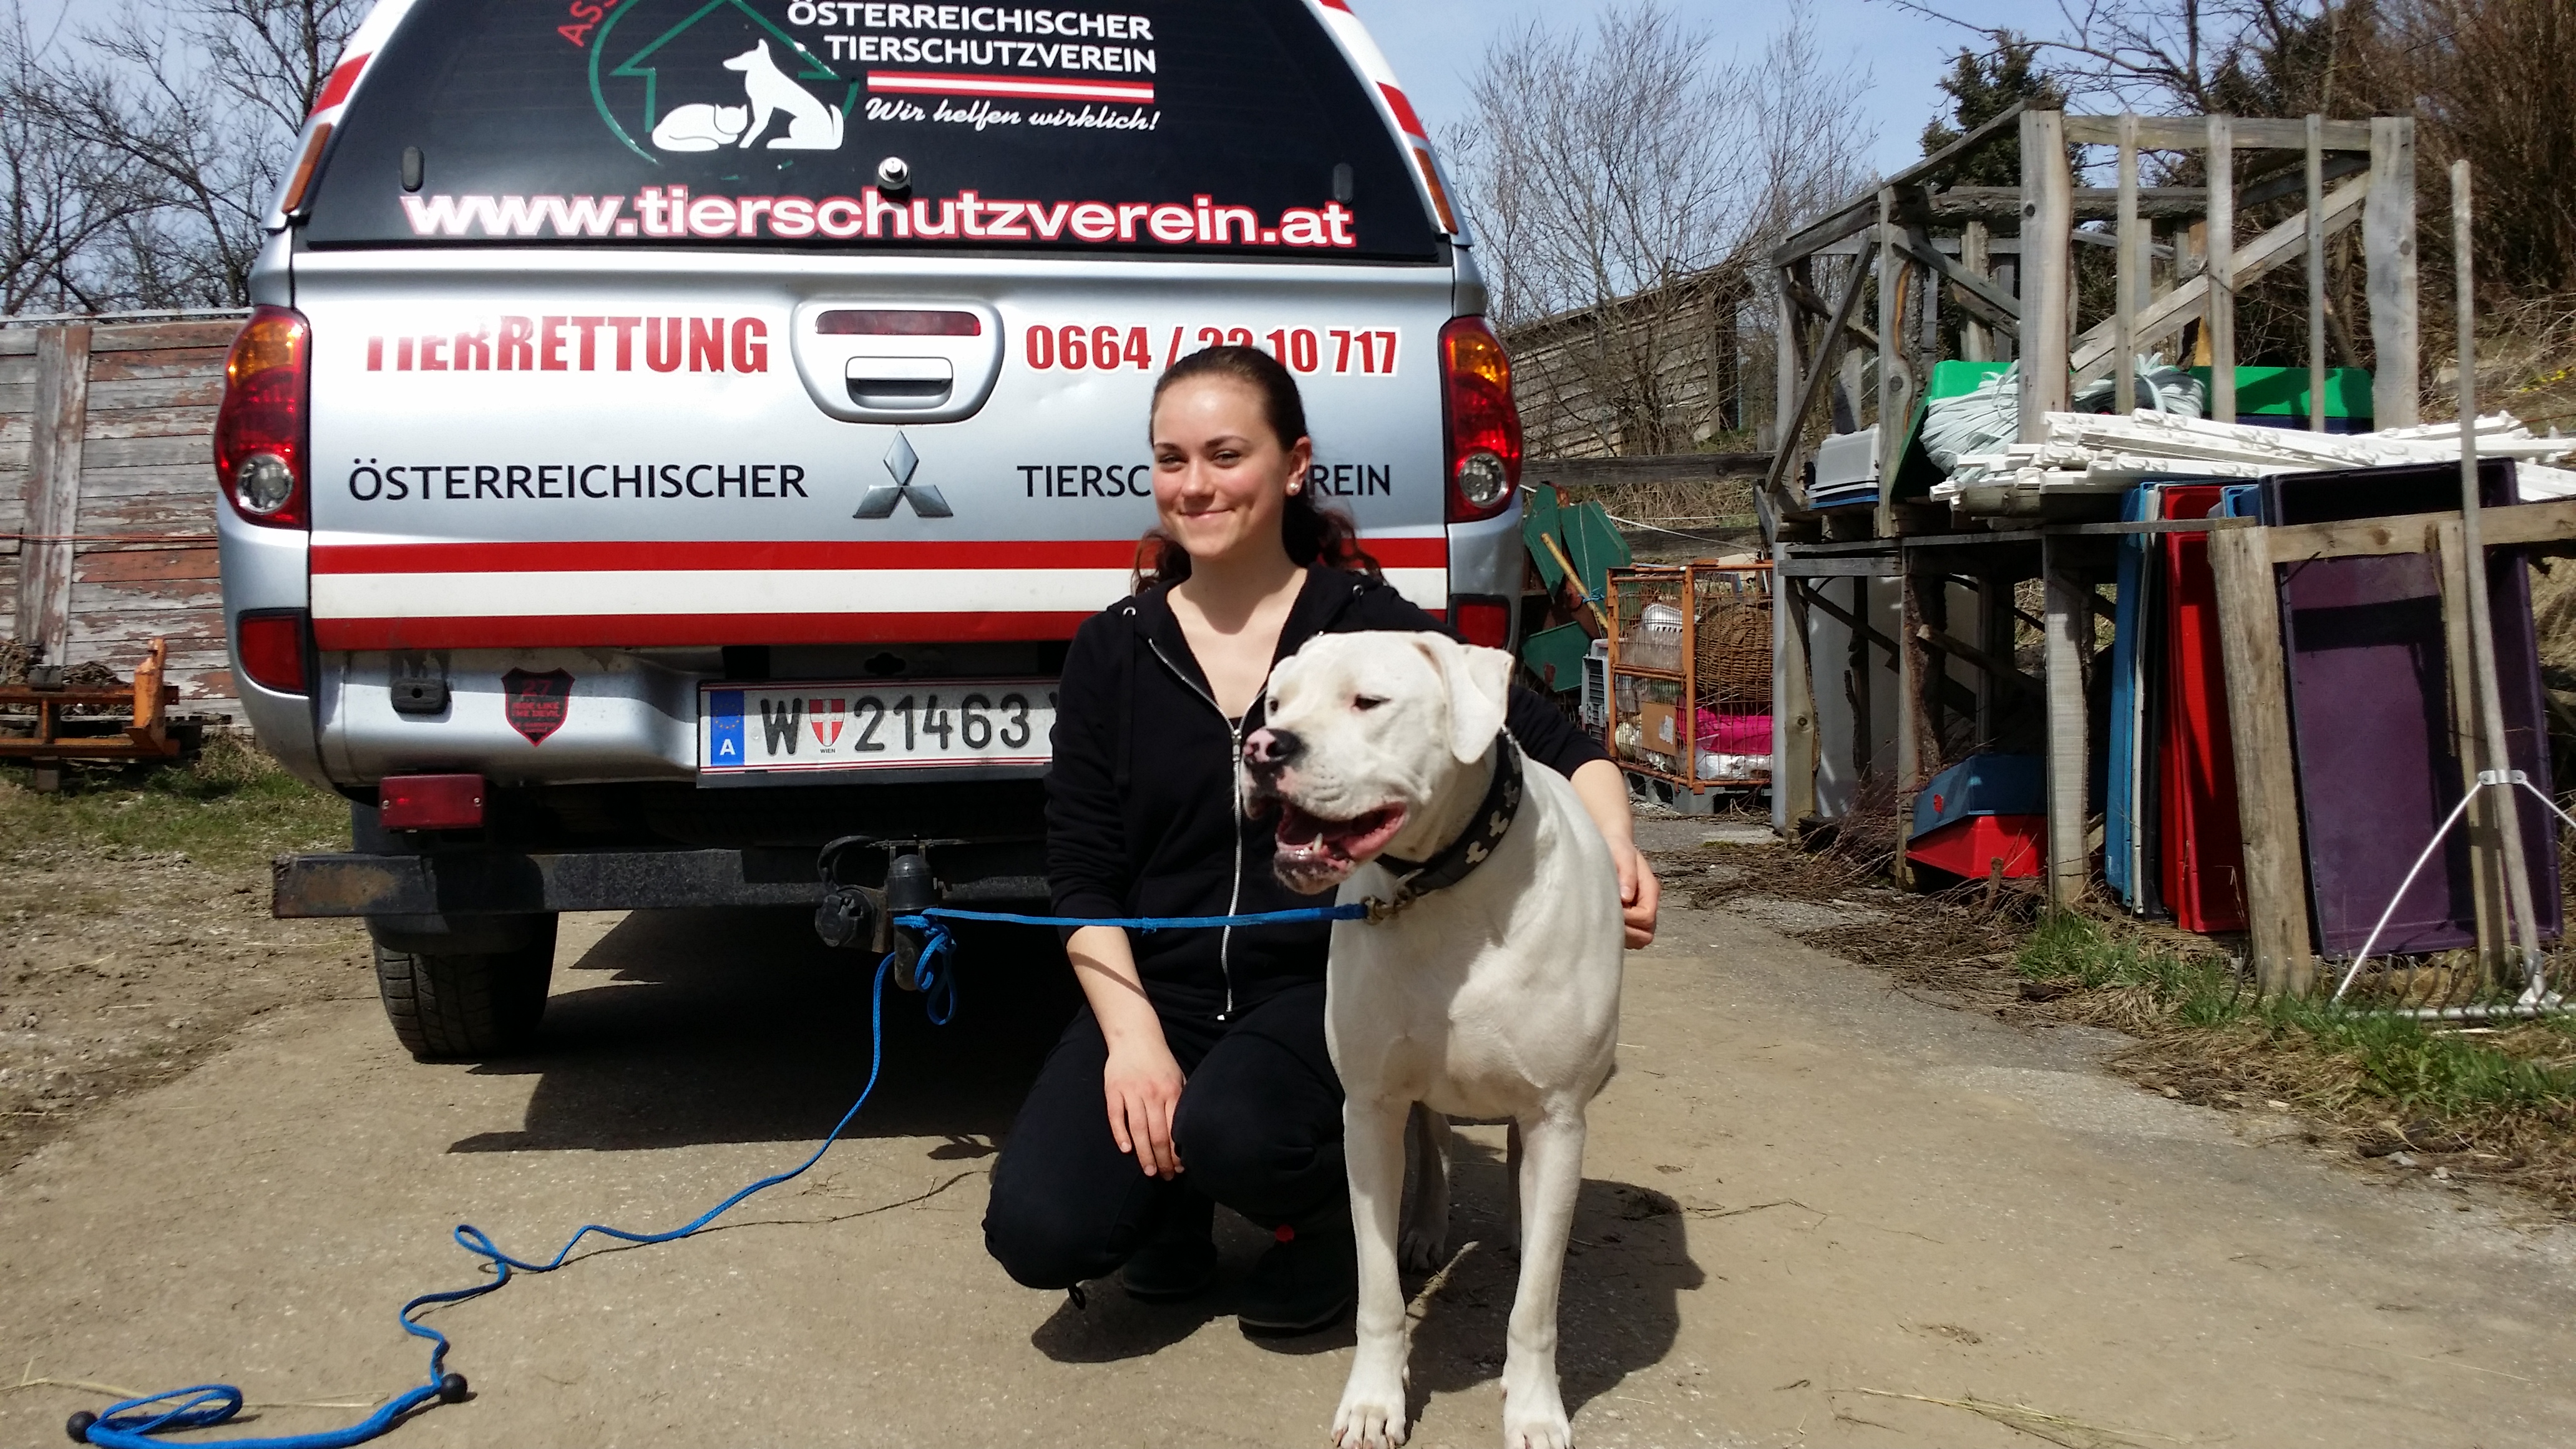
(1270, 750)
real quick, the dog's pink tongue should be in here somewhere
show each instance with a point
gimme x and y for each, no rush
(1304, 839)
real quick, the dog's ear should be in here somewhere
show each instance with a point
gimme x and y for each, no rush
(1479, 685)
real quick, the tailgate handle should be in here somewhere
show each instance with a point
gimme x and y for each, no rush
(900, 382)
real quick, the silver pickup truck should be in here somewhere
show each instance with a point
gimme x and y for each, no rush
(674, 435)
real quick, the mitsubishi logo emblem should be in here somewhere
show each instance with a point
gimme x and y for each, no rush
(900, 461)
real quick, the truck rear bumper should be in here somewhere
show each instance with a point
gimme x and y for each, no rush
(506, 882)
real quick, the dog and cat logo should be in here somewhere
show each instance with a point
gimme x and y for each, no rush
(719, 76)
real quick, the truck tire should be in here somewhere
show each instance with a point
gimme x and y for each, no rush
(477, 1004)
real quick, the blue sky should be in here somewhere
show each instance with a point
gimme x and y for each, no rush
(1434, 46)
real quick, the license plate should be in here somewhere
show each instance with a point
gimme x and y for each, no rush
(873, 726)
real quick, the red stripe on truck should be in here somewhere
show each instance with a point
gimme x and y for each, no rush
(344, 79)
(665, 556)
(638, 631)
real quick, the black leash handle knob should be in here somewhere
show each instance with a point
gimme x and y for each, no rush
(78, 1426)
(451, 1389)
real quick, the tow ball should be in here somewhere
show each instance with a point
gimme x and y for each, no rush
(862, 918)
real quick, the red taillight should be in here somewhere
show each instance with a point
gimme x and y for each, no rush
(1484, 422)
(259, 433)
(430, 802)
(1482, 621)
(270, 649)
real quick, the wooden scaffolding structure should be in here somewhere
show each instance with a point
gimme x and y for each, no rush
(2177, 261)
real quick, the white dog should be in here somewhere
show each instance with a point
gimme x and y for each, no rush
(1488, 987)
(811, 125)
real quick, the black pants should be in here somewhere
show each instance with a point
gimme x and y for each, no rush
(1259, 1129)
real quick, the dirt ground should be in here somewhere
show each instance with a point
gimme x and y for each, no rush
(1820, 1207)
(120, 968)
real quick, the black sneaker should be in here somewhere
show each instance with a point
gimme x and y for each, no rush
(1179, 1261)
(1305, 1283)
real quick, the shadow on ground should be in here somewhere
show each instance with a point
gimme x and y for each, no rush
(687, 1027)
(1619, 1312)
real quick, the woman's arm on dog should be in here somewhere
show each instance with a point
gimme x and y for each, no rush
(1605, 799)
(1142, 1081)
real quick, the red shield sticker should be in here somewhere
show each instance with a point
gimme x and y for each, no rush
(535, 703)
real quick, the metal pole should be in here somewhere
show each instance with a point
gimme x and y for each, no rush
(2481, 620)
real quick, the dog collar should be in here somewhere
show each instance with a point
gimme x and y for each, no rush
(1493, 820)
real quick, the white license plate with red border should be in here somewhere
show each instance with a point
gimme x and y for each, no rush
(874, 725)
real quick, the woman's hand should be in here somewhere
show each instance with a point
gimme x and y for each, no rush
(1640, 894)
(1604, 792)
(1143, 1085)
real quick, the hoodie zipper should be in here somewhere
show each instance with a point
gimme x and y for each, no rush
(1234, 798)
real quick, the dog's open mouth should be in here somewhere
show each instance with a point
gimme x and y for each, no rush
(1316, 854)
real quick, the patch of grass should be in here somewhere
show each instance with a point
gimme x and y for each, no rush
(2342, 1055)
(231, 806)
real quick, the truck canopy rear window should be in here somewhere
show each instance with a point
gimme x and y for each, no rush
(1206, 126)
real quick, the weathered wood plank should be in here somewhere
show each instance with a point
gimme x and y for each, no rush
(196, 563)
(2161, 133)
(2388, 253)
(151, 517)
(2218, 278)
(2068, 638)
(146, 595)
(1793, 713)
(1621, 472)
(101, 633)
(2516, 524)
(18, 341)
(143, 452)
(147, 336)
(184, 390)
(2046, 269)
(2267, 796)
(195, 422)
(159, 362)
(43, 613)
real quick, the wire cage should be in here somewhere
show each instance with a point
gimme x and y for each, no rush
(1690, 673)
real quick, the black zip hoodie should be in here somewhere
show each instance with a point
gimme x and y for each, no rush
(1142, 812)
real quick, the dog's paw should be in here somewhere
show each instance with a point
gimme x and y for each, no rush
(1537, 1431)
(1533, 1411)
(1423, 1249)
(1371, 1415)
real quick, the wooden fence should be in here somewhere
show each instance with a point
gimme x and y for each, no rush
(107, 497)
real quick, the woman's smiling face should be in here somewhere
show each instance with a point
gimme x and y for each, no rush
(1221, 476)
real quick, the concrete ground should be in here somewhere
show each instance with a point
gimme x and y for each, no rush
(1808, 1198)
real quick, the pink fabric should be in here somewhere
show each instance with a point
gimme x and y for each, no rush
(1734, 734)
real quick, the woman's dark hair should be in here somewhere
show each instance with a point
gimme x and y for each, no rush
(1315, 536)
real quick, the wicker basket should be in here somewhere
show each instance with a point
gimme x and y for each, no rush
(1734, 655)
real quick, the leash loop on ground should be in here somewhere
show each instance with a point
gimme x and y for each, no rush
(127, 1425)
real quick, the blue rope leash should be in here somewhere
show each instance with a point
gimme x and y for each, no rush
(131, 1423)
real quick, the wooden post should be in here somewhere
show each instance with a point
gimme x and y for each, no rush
(56, 427)
(2219, 321)
(2047, 215)
(2388, 251)
(2069, 639)
(1891, 359)
(1788, 370)
(2486, 840)
(1864, 740)
(2494, 757)
(2316, 275)
(1793, 709)
(1976, 340)
(2267, 796)
(2124, 301)
(1918, 677)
